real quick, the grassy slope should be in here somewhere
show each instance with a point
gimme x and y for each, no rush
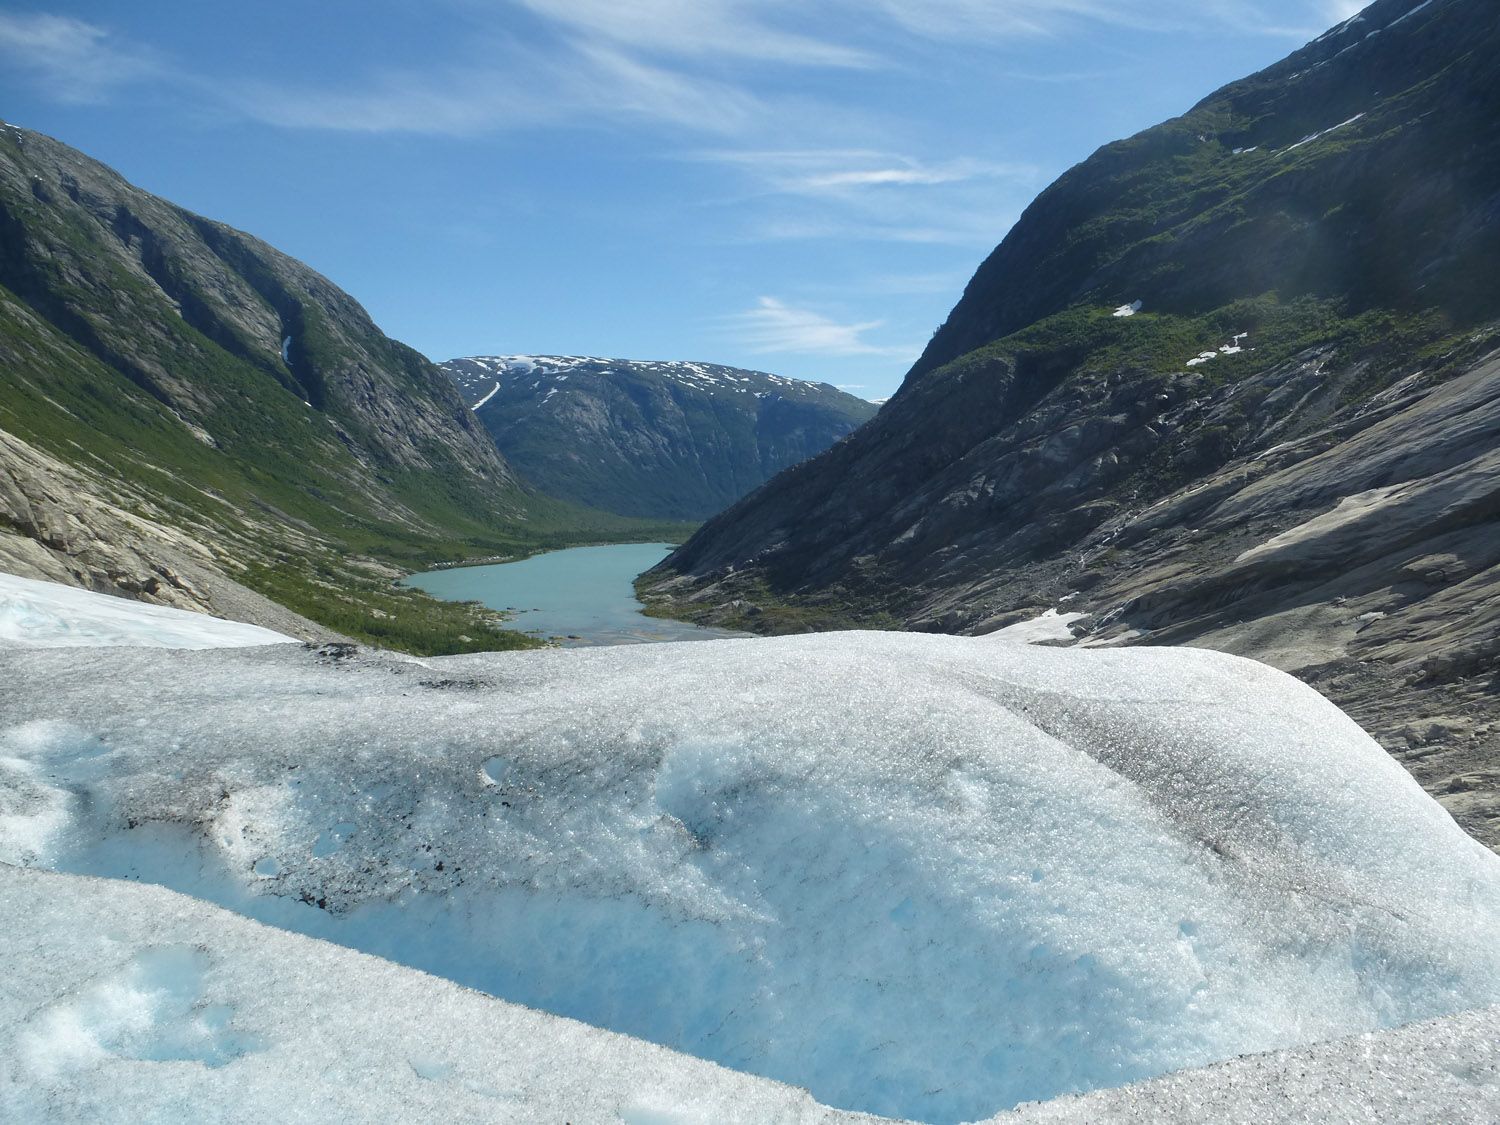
(313, 544)
(183, 419)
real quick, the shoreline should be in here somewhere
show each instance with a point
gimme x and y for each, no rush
(502, 560)
(569, 616)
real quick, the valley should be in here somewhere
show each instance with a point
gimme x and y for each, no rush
(1102, 725)
(194, 419)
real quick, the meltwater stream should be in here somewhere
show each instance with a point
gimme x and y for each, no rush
(582, 596)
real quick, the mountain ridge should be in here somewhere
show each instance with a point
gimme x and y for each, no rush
(193, 418)
(659, 439)
(1284, 450)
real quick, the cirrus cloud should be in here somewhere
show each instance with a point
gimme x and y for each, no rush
(70, 60)
(774, 327)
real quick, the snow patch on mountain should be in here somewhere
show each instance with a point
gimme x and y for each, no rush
(493, 391)
(1323, 133)
(1050, 627)
(476, 372)
(36, 614)
(1234, 347)
(1422, 7)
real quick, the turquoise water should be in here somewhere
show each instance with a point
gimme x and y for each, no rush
(583, 596)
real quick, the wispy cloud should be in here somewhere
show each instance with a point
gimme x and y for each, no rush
(987, 21)
(587, 82)
(862, 33)
(71, 60)
(1340, 10)
(968, 19)
(736, 29)
(774, 327)
(871, 195)
(846, 171)
(710, 66)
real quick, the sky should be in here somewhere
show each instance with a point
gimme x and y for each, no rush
(795, 186)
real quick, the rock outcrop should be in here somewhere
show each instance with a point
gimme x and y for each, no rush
(1232, 382)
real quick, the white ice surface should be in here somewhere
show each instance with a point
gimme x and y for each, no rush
(37, 614)
(124, 1003)
(926, 876)
(1444, 1070)
(1050, 626)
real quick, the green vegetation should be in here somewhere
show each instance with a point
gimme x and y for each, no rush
(1360, 178)
(1089, 341)
(757, 608)
(144, 346)
(382, 613)
(1339, 207)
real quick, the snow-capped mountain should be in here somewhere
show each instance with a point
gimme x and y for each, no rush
(670, 439)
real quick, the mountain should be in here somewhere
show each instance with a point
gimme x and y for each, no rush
(1231, 382)
(190, 417)
(669, 440)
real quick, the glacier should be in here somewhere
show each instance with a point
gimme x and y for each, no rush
(126, 1003)
(37, 614)
(920, 876)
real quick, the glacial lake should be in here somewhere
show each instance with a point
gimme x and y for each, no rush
(581, 596)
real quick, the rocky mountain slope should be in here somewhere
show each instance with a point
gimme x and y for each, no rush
(668, 440)
(190, 417)
(1231, 382)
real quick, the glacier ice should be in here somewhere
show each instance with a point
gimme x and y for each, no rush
(35, 614)
(929, 877)
(125, 1003)
(1441, 1070)
(115, 990)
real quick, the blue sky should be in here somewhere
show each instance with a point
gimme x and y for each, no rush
(799, 186)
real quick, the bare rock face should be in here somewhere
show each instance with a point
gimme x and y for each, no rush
(55, 525)
(1233, 382)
